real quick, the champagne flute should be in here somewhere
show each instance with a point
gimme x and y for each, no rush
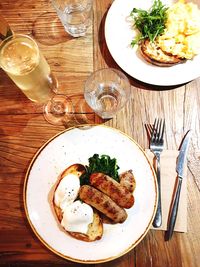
(24, 63)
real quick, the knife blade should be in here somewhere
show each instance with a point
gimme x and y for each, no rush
(181, 160)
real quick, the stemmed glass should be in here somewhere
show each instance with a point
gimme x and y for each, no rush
(22, 60)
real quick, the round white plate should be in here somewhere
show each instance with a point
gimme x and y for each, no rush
(119, 34)
(76, 145)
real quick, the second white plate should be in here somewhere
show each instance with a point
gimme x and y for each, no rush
(119, 34)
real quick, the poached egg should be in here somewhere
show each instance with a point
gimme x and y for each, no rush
(76, 215)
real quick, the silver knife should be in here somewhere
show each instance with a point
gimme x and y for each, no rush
(180, 173)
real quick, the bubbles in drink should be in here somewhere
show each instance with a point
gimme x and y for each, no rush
(26, 66)
(19, 58)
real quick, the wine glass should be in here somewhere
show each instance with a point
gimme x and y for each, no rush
(22, 60)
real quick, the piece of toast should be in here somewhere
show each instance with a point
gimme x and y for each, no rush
(95, 229)
(152, 53)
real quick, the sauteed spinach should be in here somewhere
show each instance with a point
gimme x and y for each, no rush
(103, 164)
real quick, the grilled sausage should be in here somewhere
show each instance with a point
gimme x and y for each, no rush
(118, 193)
(127, 180)
(102, 203)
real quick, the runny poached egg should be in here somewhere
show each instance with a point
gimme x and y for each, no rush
(76, 215)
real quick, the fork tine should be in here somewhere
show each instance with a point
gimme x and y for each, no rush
(163, 128)
(157, 123)
(153, 134)
(159, 130)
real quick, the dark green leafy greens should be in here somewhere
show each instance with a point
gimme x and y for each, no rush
(150, 23)
(102, 164)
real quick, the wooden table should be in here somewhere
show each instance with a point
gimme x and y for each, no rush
(23, 131)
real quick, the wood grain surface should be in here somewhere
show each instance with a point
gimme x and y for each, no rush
(23, 131)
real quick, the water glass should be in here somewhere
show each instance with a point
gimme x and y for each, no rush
(75, 15)
(107, 91)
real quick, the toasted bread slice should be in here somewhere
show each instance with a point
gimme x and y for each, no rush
(95, 229)
(155, 55)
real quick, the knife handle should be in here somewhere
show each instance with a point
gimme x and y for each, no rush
(174, 210)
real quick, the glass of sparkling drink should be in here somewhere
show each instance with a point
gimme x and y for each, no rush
(107, 91)
(24, 63)
(75, 15)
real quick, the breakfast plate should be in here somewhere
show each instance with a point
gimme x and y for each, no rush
(119, 33)
(76, 145)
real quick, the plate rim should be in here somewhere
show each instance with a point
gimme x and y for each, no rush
(146, 81)
(26, 206)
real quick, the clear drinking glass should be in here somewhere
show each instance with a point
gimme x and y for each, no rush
(75, 15)
(24, 63)
(107, 91)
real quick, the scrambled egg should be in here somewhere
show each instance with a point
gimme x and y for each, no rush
(182, 33)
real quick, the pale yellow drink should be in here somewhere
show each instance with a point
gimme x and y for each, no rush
(26, 66)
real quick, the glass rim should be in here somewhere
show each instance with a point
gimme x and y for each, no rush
(57, 4)
(16, 35)
(107, 69)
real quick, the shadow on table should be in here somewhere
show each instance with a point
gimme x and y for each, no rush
(48, 30)
(83, 114)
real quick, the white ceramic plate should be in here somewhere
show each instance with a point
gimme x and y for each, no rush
(119, 34)
(76, 145)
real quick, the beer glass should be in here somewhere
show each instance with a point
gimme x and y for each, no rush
(24, 63)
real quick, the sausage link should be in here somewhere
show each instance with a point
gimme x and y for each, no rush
(127, 180)
(102, 203)
(113, 189)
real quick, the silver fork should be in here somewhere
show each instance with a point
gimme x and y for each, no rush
(156, 146)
